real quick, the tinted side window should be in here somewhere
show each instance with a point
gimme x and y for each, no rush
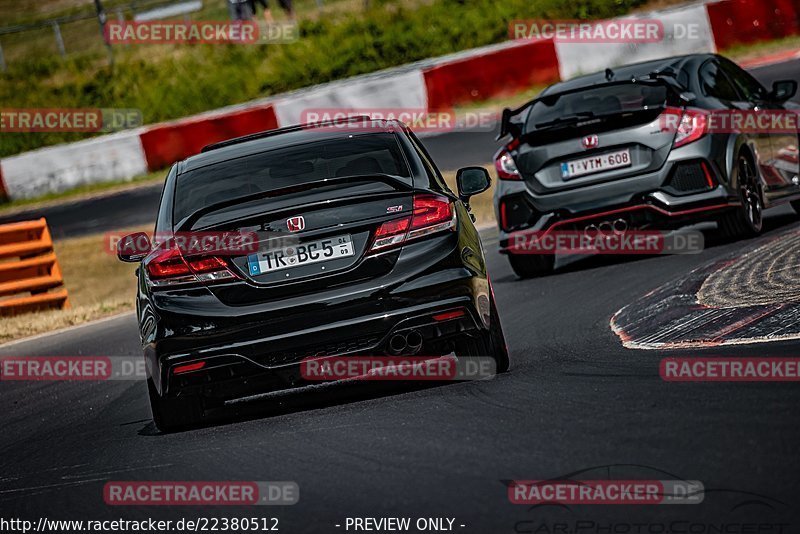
(164, 220)
(436, 180)
(715, 83)
(748, 86)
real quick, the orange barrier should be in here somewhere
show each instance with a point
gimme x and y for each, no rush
(28, 265)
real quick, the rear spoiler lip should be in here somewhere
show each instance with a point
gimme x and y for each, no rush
(654, 78)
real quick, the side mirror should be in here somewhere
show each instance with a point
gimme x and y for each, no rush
(471, 181)
(783, 90)
(133, 248)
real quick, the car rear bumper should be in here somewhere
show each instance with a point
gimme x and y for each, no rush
(651, 201)
(257, 366)
(650, 214)
(256, 348)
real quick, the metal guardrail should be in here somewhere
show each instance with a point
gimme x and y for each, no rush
(141, 7)
(28, 264)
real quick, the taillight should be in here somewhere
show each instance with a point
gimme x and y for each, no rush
(430, 214)
(166, 266)
(505, 166)
(391, 233)
(689, 125)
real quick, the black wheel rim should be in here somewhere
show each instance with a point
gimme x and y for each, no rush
(751, 201)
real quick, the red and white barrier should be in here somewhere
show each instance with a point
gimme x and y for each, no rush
(686, 31)
(485, 73)
(114, 157)
(387, 90)
(436, 84)
(169, 142)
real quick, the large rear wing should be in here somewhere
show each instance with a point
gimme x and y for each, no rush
(667, 78)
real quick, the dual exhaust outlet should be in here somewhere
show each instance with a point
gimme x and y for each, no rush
(606, 228)
(405, 343)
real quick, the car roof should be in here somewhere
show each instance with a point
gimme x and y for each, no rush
(283, 137)
(624, 72)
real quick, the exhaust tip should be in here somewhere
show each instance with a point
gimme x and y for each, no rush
(605, 228)
(620, 226)
(414, 341)
(591, 231)
(397, 344)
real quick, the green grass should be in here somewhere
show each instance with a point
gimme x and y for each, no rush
(168, 81)
(754, 50)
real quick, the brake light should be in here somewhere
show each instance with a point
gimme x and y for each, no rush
(391, 233)
(505, 166)
(166, 266)
(188, 368)
(167, 263)
(689, 125)
(430, 214)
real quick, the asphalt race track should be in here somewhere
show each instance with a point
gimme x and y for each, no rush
(574, 401)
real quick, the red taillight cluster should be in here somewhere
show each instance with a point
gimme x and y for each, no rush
(166, 266)
(430, 213)
(688, 124)
(504, 163)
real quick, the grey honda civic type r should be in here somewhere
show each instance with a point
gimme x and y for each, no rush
(595, 154)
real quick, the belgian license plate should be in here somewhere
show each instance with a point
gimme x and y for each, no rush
(598, 163)
(300, 254)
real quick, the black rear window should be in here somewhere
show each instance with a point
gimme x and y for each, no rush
(288, 166)
(599, 101)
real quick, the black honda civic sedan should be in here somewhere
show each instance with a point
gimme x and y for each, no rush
(360, 248)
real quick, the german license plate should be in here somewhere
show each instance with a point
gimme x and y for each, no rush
(300, 254)
(598, 163)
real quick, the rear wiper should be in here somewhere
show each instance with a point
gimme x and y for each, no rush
(568, 119)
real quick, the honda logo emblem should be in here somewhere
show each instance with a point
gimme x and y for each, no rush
(590, 141)
(295, 224)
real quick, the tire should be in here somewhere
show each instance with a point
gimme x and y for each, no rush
(173, 414)
(488, 343)
(747, 219)
(497, 341)
(532, 265)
